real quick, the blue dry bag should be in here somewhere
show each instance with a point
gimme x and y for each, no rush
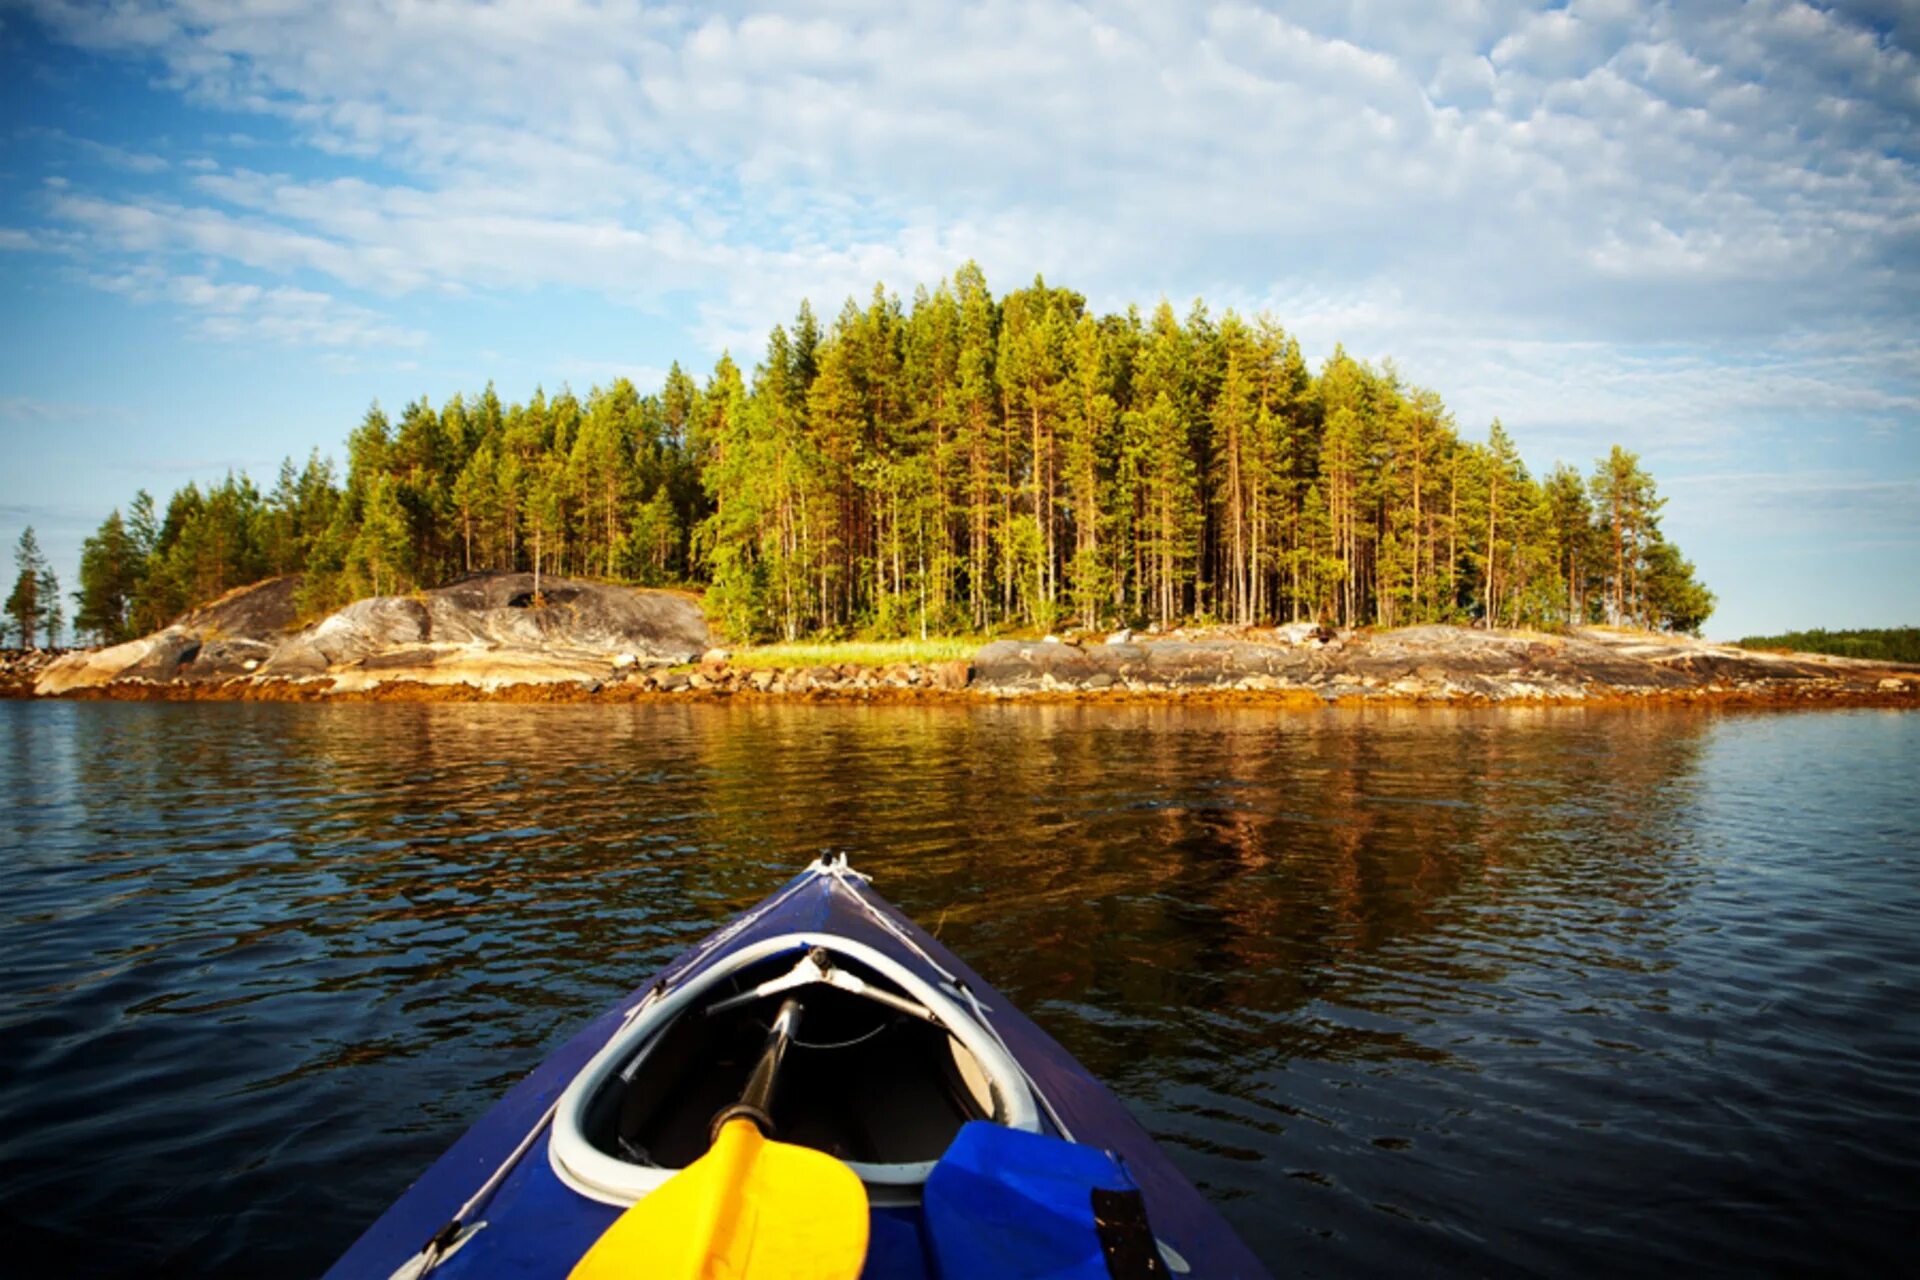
(1004, 1202)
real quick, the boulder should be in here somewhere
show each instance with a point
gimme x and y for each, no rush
(170, 651)
(1186, 662)
(87, 668)
(1015, 664)
(294, 659)
(260, 611)
(502, 609)
(952, 675)
(214, 641)
(221, 659)
(1304, 633)
(362, 628)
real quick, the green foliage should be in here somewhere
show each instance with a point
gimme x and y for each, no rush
(1876, 644)
(112, 567)
(208, 543)
(793, 655)
(962, 463)
(377, 560)
(23, 610)
(33, 606)
(1675, 600)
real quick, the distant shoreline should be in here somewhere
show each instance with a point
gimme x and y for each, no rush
(1802, 698)
(577, 642)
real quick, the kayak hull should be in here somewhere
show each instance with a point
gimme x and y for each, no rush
(538, 1227)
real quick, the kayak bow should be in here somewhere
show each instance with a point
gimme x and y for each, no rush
(926, 1129)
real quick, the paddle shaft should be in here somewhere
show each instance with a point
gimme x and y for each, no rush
(756, 1100)
(750, 1209)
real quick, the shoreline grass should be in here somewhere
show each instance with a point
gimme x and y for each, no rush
(790, 655)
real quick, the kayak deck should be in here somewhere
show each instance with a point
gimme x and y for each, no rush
(544, 1172)
(867, 1084)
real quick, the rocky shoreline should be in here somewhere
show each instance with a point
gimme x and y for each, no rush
(492, 638)
(20, 668)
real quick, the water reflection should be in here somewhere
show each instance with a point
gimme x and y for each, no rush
(1401, 988)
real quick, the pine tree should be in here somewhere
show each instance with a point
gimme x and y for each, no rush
(978, 418)
(33, 605)
(601, 470)
(1629, 511)
(1340, 458)
(1571, 517)
(111, 568)
(377, 559)
(23, 610)
(52, 617)
(546, 507)
(1505, 482)
(1235, 439)
(730, 434)
(1089, 443)
(1171, 524)
(679, 397)
(1676, 600)
(476, 497)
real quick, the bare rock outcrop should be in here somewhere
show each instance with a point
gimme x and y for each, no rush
(216, 641)
(489, 635)
(1269, 657)
(1425, 664)
(488, 631)
(19, 668)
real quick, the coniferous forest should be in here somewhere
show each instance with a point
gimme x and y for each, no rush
(957, 464)
(1874, 644)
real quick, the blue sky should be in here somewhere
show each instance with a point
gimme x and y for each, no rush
(1692, 229)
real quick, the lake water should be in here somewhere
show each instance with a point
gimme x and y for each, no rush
(1518, 992)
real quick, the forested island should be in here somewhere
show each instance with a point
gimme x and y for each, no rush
(964, 495)
(957, 465)
(1874, 644)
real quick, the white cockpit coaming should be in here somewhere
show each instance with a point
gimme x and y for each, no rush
(984, 1081)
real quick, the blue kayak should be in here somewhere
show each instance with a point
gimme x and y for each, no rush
(983, 1147)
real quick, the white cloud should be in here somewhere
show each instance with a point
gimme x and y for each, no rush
(1597, 214)
(1568, 400)
(1187, 126)
(30, 409)
(141, 162)
(277, 314)
(1841, 502)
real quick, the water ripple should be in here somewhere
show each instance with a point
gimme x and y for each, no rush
(1506, 993)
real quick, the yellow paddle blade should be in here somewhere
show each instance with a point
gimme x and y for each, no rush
(749, 1209)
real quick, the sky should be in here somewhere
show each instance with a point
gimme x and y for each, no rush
(227, 227)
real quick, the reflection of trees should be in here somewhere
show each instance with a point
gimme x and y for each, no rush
(1273, 885)
(1303, 884)
(381, 914)
(1153, 865)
